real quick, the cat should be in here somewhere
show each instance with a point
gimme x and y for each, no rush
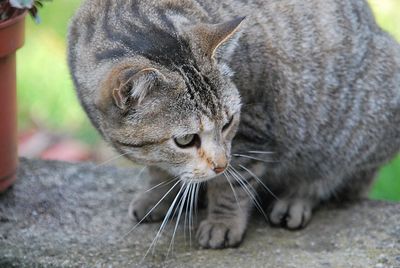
(300, 97)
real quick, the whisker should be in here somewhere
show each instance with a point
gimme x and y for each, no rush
(111, 159)
(260, 152)
(163, 183)
(139, 175)
(165, 221)
(233, 190)
(179, 202)
(251, 192)
(186, 219)
(254, 158)
(191, 213)
(148, 213)
(183, 199)
(241, 182)
(260, 181)
(196, 196)
(244, 180)
(244, 187)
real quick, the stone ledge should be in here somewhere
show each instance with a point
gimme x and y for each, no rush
(74, 215)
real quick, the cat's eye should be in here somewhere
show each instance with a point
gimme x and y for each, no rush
(188, 141)
(227, 125)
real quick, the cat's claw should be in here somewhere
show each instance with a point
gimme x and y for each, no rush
(140, 207)
(292, 214)
(217, 235)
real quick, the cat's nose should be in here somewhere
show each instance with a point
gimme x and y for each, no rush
(220, 163)
(220, 166)
(219, 170)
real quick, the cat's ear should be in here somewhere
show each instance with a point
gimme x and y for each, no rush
(212, 36)
(133, 87)
(127, 87)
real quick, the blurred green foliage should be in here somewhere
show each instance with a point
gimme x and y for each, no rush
(45, 91)
(46, 96)
(387, 186)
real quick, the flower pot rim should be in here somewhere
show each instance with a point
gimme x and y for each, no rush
(8, 22)
(12, 34)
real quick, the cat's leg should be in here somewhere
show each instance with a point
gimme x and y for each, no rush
(292, 212)
(355, 186)
(227, 215)
(294, 208)
(159, 185)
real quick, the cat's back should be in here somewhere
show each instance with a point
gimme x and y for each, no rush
(327, 77)
(297, 29)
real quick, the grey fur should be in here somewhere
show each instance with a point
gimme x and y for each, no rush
(317, 83)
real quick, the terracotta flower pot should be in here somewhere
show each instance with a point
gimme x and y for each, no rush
(11, 38)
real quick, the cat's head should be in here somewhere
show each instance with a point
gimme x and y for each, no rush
(178, 114)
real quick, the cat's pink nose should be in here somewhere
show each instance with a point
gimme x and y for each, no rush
(220, 163)
(219, 169)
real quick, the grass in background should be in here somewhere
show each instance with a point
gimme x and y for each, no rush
(387, 186)
(45, 91)
(46, 96)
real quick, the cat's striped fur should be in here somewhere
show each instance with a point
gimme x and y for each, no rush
(319, 84)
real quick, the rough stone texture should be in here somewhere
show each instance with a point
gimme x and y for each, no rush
(74, 215)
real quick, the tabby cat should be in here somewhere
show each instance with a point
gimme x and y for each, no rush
(300, 96)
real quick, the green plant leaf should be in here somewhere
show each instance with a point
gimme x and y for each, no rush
(22, 3)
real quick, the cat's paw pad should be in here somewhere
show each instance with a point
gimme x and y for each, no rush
(219, 234)
(292, 214)
(142, 209)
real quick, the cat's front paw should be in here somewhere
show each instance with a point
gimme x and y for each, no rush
(217, 234)
(143, 209)
(292, 214)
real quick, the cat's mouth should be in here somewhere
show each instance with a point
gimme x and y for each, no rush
(199, 179)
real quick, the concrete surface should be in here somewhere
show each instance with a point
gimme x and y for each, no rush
(74, 215)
